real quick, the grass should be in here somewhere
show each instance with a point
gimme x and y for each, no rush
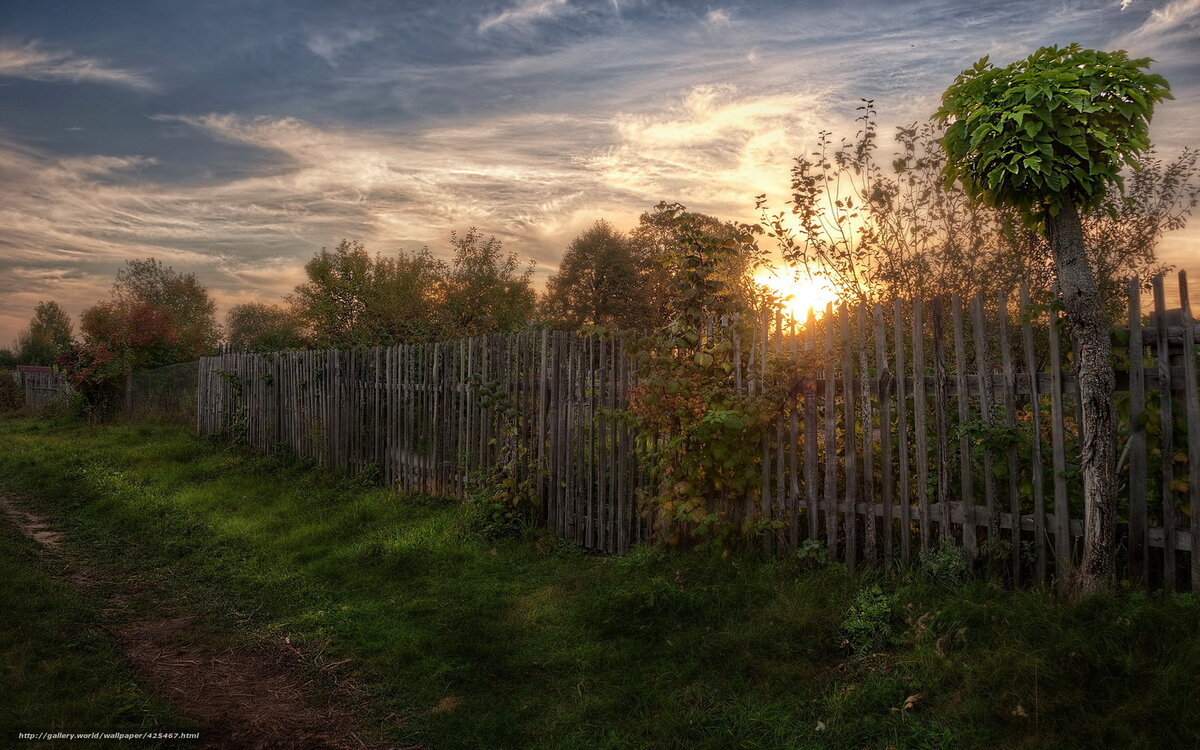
(60, 670)
(465, 642)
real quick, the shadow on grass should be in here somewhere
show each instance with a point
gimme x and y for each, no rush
(466, 642)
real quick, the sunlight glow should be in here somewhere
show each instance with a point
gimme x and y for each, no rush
(799, 292)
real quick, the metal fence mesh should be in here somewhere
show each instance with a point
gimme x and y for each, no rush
(165, 393)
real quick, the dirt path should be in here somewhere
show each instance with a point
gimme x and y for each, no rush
(245, 696)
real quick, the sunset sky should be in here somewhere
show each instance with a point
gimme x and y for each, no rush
(234, 139)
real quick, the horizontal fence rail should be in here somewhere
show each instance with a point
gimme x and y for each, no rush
(924, 423)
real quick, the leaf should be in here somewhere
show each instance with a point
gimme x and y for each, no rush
(912, 700)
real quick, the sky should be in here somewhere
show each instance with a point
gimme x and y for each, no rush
(235, 139)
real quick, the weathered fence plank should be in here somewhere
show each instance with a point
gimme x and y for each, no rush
(862, 460)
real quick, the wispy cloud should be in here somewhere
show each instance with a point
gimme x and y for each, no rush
(527, 118)
(32, 61)
(331, 45)
(715, 148)
(718, 17)
(1169, 33)
(525, 13)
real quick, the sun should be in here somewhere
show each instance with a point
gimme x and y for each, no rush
(799, 292)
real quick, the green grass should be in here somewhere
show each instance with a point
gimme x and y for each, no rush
(542, 646)
(58, 669)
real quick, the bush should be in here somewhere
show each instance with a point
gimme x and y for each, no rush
(491, 514)
(945, 566)
(868, 626)
(11, 394)
(812, 555)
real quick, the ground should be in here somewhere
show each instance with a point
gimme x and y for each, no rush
(159, 581)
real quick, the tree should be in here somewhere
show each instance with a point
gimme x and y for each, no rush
(49, 332)
(352, 298)
(656, 241)
(136, 334)
(485, 289)
(260, 327)
(877, 231)
(1048, 136)
(178, 297)
(598, 283)
(155, 317)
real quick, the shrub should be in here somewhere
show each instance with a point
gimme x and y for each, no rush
(11, 395)
(868, 626)
(492, 513)
(944, 566)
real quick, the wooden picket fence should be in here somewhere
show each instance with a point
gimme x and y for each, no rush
(41, 386)
(930, 422)
(438, 417)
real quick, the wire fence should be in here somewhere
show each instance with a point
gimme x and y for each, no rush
(165, 394)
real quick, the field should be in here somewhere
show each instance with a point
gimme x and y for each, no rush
(400, 620)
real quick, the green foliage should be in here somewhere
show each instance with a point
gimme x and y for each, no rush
(1052, 129)
(945, 566)
(656, 242)
(12, 396)
(178, 299)
(155, 317)
(658, 648)
(868, 626)
(260, 327)
(48, 335)
(812, 554)
(492, 518)
(598, 283)
(352, 298)
(701, 432)
(486, 290)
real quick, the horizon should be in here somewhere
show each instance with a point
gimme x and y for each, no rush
(235, 142)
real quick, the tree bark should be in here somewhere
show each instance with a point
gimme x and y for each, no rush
(1090, 328)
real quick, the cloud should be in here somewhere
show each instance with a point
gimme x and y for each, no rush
(534, 180)
(525, 13)
(1167, 31)
(715, 149)
(31, 61)
(330, 46)
(718, 17)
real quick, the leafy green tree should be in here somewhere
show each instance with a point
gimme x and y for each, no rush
(485, 289)
(48, 334)
(353, 298)
(1048, 136)
(598, 283)
(260, 327)
(7, 359)
(656, 241)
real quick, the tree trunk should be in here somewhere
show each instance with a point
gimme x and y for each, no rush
(1090, 329)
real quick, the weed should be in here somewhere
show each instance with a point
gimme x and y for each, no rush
(945, 566)
(812, 554)
(868, 626)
